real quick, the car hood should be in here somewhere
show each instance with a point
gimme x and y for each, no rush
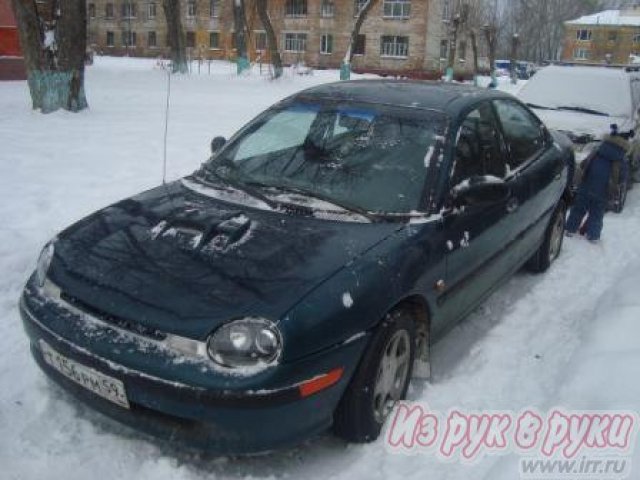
(581, 123)
(176, 261)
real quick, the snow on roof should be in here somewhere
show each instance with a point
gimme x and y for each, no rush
(609, 17)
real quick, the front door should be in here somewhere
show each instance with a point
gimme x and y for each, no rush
(477, 236)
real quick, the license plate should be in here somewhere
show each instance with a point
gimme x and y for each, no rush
(107, 387)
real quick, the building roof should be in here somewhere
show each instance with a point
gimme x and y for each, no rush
(609, 17)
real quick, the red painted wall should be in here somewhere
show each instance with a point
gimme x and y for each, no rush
(11, 64)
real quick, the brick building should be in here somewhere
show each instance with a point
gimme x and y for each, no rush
(11, 62)
(612, 36)
(398, 35)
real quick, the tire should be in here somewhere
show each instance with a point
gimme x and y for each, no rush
(551, 243)
(362, 411)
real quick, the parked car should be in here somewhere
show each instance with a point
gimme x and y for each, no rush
(583, 102)
(298, 279)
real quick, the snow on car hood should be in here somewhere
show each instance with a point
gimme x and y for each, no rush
(179, 262)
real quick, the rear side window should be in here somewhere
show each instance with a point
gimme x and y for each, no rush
(523, 133)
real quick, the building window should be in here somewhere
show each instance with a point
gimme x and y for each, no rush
(636, 38)
(108, 10)
(583, 35)
(191, 39)
(111, 41)
(296, 8)
(397, 8)
(444, 49)
(129, 38)
(91, 9)
(191, 9)
(446, 10)
(394, 46)
(295, 42)
(327, 8)
(129, 10)
(360, 46)
(326, 44)
(581, 54)
(214, 9)
(462, 50)
(152, 40)
(261, 41)
(358, 6)
(214, 40)
(151, 11)
(612, 36)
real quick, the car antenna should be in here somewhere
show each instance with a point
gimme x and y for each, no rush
(166, 129)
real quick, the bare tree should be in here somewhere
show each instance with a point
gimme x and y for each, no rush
(175, 35)
(456, 25)
(240, 26)
(364, 9)
(272, 41)
(54, 45)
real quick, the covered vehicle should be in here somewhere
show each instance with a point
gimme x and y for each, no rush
(584, 102)
(297, 280)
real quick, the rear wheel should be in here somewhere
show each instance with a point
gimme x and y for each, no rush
(551, 243)
(381, 380)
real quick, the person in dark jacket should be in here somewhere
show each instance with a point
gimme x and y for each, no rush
(606, 162)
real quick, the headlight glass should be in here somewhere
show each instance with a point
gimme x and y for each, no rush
(44, 262)
(249, 342)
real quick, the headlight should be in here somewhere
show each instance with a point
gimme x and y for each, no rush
(44, 262)
(250, 342)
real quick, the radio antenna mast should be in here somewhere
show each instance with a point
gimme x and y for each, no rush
(166, 128)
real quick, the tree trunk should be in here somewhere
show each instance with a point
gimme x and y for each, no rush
(474, 48)
(175, 35)
(345, 71)
(513, 61)
(54, 50)
(240, 25)
(491, 37)
(272, 41)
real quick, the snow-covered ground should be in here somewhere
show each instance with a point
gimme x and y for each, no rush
(567, 338)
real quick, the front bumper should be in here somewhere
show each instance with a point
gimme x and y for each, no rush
(190, 404)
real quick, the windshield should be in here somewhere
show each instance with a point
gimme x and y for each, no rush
(359, 157)
(587, 90)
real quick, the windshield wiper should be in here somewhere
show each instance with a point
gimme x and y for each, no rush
(540, 107)
(319, 196)
(584, 110)
(239, 185)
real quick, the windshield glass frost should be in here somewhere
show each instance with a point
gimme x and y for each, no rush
(372, 158)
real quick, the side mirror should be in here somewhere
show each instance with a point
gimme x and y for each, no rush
(480, 191)
(217, 143)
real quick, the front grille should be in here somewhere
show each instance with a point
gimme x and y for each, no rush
(119, 322)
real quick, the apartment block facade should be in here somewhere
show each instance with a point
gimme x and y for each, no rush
(609, 37)
(398, 35)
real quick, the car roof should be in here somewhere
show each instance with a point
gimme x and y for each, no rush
(449, 98)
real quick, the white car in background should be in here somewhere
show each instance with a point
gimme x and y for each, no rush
(583, 102)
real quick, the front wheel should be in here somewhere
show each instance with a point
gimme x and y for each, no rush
(381, 380)
(551, 243)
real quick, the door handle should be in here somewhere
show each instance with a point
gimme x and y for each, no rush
(512, 205)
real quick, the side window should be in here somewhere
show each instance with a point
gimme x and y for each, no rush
(478, 151)
(523, 132)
